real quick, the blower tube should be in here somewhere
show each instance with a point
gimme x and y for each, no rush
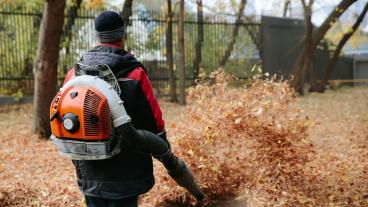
(153, 144)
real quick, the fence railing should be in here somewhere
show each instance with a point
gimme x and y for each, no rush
(146, 39)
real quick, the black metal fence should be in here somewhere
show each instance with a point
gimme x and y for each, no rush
(146, 39)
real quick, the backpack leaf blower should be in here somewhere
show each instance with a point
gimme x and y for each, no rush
(89, 122)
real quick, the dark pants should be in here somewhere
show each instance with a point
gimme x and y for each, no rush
(102, 202)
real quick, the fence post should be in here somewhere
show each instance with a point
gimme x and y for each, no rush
(169, 52)
(181, 64)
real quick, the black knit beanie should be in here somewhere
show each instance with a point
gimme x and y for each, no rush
(109, 26)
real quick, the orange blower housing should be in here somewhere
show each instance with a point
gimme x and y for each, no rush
(84, 114)
(80, 113)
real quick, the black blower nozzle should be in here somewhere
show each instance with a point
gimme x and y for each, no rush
(151, 143)
(187, 181)
(182, 175)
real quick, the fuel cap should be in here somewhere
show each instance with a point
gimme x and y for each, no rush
(71, 122)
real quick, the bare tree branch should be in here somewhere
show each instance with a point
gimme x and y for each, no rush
(305, 59)
(342, 42)
(230, 46)
(127, 12)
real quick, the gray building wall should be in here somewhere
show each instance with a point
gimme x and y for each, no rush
(282, 42)
(361, 69)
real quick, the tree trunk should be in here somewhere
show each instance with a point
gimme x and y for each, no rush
(305, 58)
(127, 12)
(331, 64)
(46, 64)
(181, 63)
(230, 46)
(286, 7)
(170, 54)
(310, 63)
(198, 55)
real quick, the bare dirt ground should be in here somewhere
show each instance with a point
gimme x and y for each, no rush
(32, 172)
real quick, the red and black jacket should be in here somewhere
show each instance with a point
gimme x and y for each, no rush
(130, 173)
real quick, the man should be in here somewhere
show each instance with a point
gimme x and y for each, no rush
(119, 180)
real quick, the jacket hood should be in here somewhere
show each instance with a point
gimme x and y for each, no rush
(120, 61)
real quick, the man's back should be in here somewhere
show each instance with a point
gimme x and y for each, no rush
(129, 173)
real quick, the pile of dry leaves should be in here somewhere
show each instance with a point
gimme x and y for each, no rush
(251, 142)
(32, 173)
(239, 138)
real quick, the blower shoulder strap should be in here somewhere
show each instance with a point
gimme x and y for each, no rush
(102, 71)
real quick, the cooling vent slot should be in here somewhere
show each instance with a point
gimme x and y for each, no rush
(105, 119)
(91, 102)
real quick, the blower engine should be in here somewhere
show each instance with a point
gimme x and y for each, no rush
(89, 122)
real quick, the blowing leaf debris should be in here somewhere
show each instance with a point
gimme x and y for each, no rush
(251, 142)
